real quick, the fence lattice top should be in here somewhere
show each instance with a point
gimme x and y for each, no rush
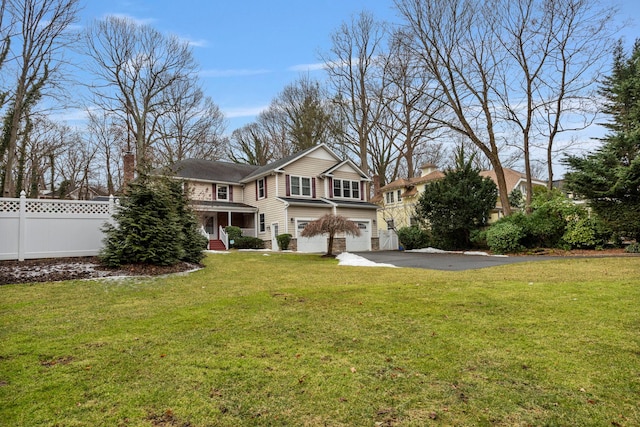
(55, 206)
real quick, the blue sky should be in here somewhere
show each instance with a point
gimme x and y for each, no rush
(249, 50)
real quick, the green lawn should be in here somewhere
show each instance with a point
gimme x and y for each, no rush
(285, 339)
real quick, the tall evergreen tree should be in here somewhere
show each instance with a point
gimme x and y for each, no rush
(457, 204)
(610, 177)
(153, 225)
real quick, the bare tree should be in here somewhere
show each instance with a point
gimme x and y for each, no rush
(108, 135)
(330, 225)
(451, 40)
(41, 34)
(191, 127)
(249, 145)
(555, 51)
(354, 67)
(135, 65)
(304, 112)
(413, 100)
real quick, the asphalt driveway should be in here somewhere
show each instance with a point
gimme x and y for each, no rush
(445, 261)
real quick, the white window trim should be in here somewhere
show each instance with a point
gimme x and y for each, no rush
(264, 188)
(218, 188)
(342, 187)
(300, 186)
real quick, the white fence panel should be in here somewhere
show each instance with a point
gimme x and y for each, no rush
(34, 228)
(388, 240)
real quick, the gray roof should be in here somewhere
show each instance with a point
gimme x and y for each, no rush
(210, 170)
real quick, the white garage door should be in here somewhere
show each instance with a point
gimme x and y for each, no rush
(361, 242)
(310, 244)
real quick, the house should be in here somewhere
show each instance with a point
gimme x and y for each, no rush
(281, 198)
(398, 199)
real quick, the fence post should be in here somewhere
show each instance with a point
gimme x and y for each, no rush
(22, 225)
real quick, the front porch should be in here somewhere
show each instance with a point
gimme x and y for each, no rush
(215, 217)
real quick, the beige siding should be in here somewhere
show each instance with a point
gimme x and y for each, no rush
(199, 190)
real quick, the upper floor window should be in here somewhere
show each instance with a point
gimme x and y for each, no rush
(390, 197)
(223, 192)
(300, 186)
(346, 188)
(399, 195)
(262, 188)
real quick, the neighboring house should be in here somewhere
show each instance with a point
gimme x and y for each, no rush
(398, 199)
(515, 181)
(282, 197)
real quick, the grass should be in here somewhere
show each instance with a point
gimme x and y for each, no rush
(295, 340)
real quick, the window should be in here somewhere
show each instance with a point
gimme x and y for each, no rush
(262, 223)
(262, 188)
(399, 195)
(355, 189)
(300, 186)
(390, 197)
(346, 188)
(223, 192)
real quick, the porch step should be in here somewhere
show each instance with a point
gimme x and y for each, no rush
(216, 245)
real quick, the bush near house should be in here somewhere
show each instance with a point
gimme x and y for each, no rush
(240, 241)
(283, 241)
(555, 222)
(413, 237)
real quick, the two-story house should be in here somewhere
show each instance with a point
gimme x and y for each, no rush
(398, 199)
(282, 197)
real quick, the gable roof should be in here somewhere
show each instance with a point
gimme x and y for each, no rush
(409, 183)
(209, 170)
(279, 164)
(512, 177)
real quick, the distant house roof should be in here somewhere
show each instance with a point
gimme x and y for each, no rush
(512, 177)
(410, 183)
(209, 170)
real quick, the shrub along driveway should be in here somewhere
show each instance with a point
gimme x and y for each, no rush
(450, 261)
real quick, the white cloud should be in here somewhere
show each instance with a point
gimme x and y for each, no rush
(244, 111)
(309, 67)
(233, 72)
(138, 21)
(195, 43)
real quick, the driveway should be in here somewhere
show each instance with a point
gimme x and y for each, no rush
(446, 261)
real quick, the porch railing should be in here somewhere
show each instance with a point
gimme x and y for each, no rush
(224, 237)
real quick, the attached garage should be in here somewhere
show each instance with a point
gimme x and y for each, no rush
(309, 244)
(363, 241)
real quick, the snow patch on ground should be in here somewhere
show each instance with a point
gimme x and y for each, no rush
(440, 251)
(348, 259)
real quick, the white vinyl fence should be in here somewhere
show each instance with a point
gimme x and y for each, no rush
(37, 228)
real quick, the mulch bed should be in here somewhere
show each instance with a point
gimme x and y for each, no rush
(57, 269)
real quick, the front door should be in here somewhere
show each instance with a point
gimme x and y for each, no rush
(274, 235)
(210, 227)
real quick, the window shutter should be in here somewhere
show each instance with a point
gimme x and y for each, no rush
(313, 188)
(231, 193)
(214, 194)
(265, 186)
(287, 185)
(361, 190)
(330, 188)
(257, 189)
